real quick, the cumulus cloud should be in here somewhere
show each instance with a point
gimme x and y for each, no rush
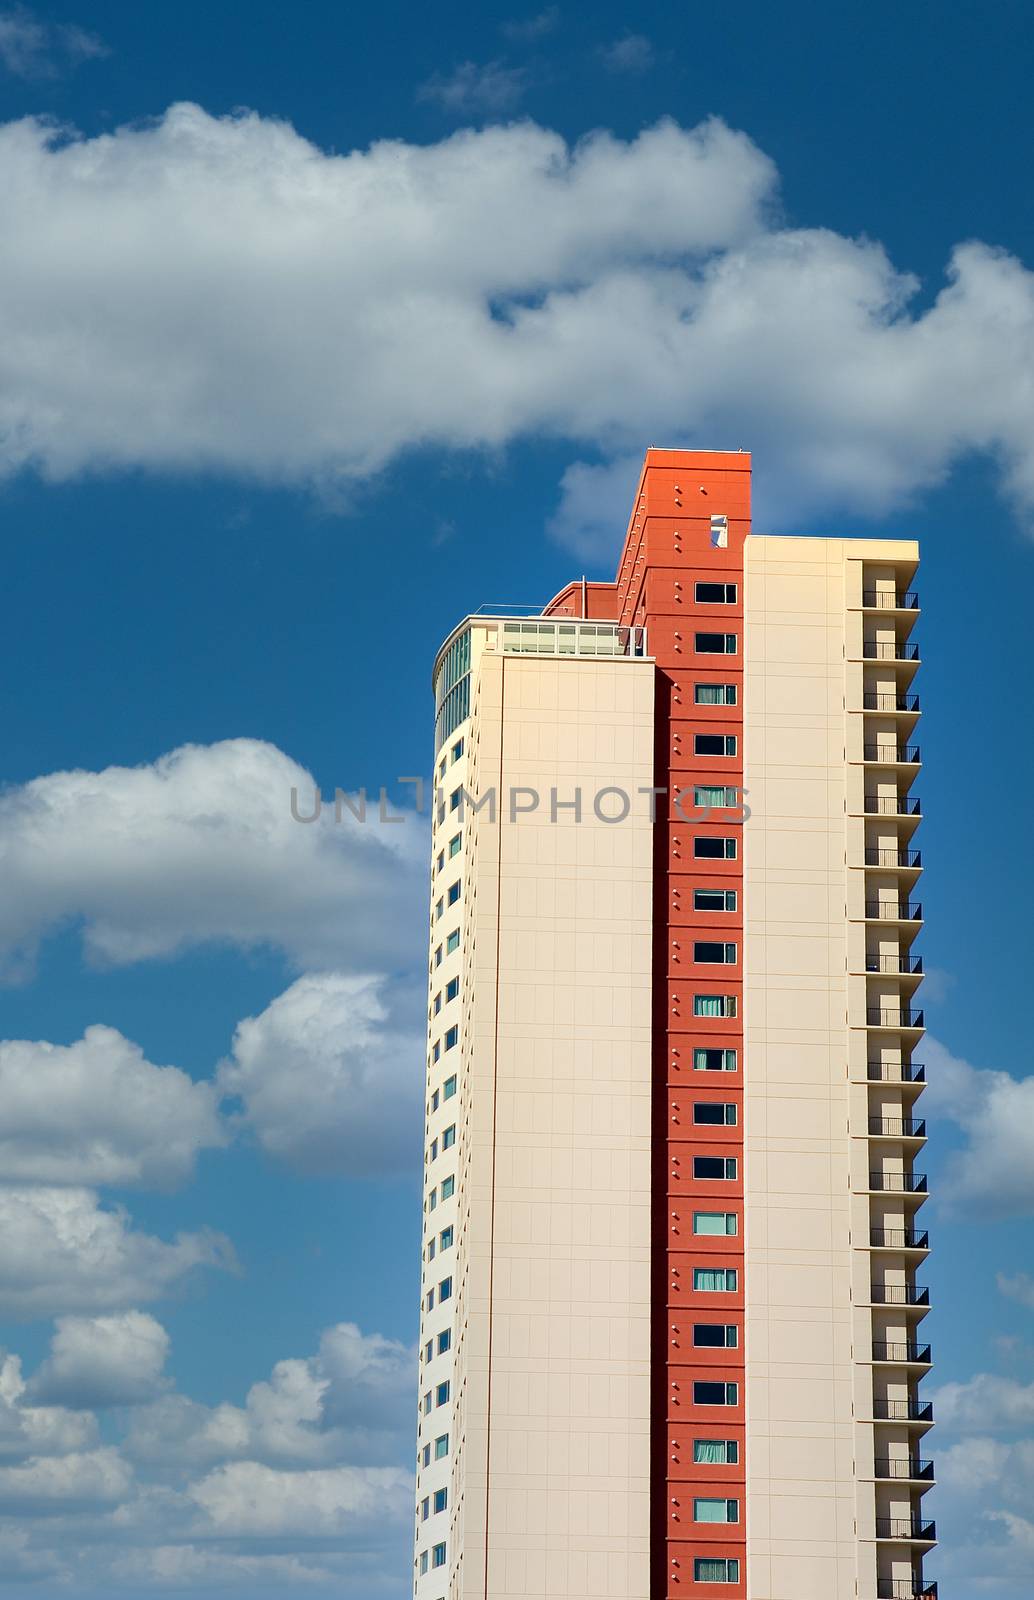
(983, 1402)
(98, 1112)
(31, 1429)
(191, 1568)
(472, 88)
(103, 1361)
(79, 1481)
(31, 48)
(633, 53)
(326, 1081)
(1019, 1287)
(524, 30)
(200, 847)
(61, 1252)
(245, 1497)
(994, 1174)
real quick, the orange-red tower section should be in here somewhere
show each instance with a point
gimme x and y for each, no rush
(676, 542)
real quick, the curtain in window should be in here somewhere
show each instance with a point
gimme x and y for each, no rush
(706, 1571)
(708, 1005)
(709, 1277)
(708, 1450)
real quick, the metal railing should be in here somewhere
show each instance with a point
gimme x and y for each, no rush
(896, 1071)
(877, 700)
(892, 805)
(902, 1467)
(909, 965)
(898, 1182)
(894, 910)
(905, 1589)
(899, 1239)
(906, 1528)
(882, 600)
(904, 1352)
(891, 650)
(898, 1294)
(908, 753)
(898, 1127)
(902, 1410)
(896, 1017)
(875, 857)
(551, 637)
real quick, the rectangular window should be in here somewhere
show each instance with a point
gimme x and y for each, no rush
(454, 892)
(445, 1290)
(708, 795)
(444, 1341)
(430, 1300)
(715, 1280)
(430, 1251)
(423, 1562)
(432, 1199)
(452, 1036)
(449, 1137)
(716, 1394)
(452, 989)
(711, 954)
(449, 1088)
(711, 847)
(712, 1224)
(455, 844)
(434, 1149)
(714, 694)
(457, 749)
(716, 1335)
(445, 1239)
(441, 860)
(456, 798)
(452, 942)
(441, 1500)
(716, 1452)
(723, 1167)
(715, 644)
(436, 1050)
(438, 956)
(716, 1569)
(714, 1113)
(710, 1510)
(438, 1555)
(438, 1002)
(441, 1394)
(441, 1446)
(716, 594)
(448, 1188)
(714, 1005)
(714, 899)
(425, 1508)
(427, 1402)
(714, 744)
(439, 909)
(425, 1456)
(714, 1061)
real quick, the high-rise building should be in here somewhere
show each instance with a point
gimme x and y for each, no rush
(671, 1333)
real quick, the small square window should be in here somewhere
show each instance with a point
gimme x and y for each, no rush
(454, 892)
(442, 1394)
(445, 1290)
(456, 799)
(444, 1341)
(445, 1239)
(452, 989)
(441, 1499)
(441, 1446)
(455, 844)
(452, 1037)
(449, 1088)
(448, 1188)
(457, 749)
(449, 1137)
(452, 943)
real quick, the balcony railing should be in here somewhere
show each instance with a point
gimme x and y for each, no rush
(891, 650)
(906, 1528)
(892, 858)
(892, 805)
(909, 753)
(898, 1127)
(896, 1017)
(896, 1072)
(898, 1182)
(907, 1351)
(883, 600)
(903, 1467)
(899, 1239)
(903, 1410)
(894, 910)
(905, 1589)
(899, 1294)
(910, 965)
(877, 700)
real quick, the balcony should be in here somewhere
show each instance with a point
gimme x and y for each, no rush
(893, 911)
(895, 1017)
(902, 1410)
(912, 1468)
(903, 1354)
(880, 600)
(909, 966)
(898, 1127)
(892, 805)
(896, 1072)
(898, 1294)
(898, 1182)
(906, 755)
(912, 1529)
(889, 650)
(893, 858)
(877, 700)
(905, 1589)
(899, 1239)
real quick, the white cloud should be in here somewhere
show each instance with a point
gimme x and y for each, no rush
(189, 1567)
(29, 1429)
(246, 1498)
(633, 54)
(63, 1483)
(984, 1401)
(994, 1174)
(472, 88)
(201, 846)
(30, 48)
(217, 293)
(98, 1112)
(103, 1361)
(1019, 1287)
(60, 1252)
(526, 30)
(326, 1082)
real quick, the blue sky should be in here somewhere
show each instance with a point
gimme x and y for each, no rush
(366, 333)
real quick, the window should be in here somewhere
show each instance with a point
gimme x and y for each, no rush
(434, 1149)
(438, 956)
(720, 955)
(457, 749)
(714, 1005)
(445, 1290)
(452, 1036)
(716, 1394)
(716, 1452)
(711, 1224)
(706, 795)
(452, 989)
(425, 1508)
(715, 1280)
(441, 768)
(710, 1510)
(435, 1100)
(714, 1113)
(430, 1250)
(716, 1335)
(716, 594)
(423, 1562)
(438, 1002)
(444, 1341)
(449, 1137)
(441, 1500)
(714, 899)
(438, 1555)
(710, 847)
(714, 1061)
(456, 797)
(454, 892)
(441, 860)
(454, 845)
(436, 1050)
(714, 1167)
(439, 909)
(714, 744)
(425, 1456)
(430, 1300)
(715, 1569)
(441, 1394)
(715, 644)
(452, 942)
(714, 694)
(448, 1188)
(427, 1402)
(432, 1199)
(441, 1446)
(445, 1239)
(449, 1088)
